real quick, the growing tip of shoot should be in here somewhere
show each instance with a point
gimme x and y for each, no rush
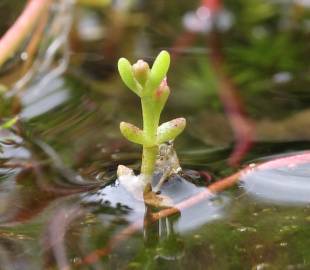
(141, 71)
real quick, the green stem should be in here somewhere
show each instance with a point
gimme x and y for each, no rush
(150, 121)
(151, 86)
(148, 160)
(150, 148)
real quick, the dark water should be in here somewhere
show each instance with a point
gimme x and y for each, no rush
(60, 203)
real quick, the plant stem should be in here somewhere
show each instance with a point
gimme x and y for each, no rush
(21, 28)
(148, 161)
(150, 150)
(151, 86)
(150, 120)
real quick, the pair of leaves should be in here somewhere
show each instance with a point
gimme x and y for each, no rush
(165, 132)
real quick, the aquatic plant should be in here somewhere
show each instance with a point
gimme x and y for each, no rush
(152, 88)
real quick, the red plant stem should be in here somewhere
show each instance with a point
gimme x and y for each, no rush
(134, 227)
(211, 190)
(206, 175)
(184, 41)
(242, 127)
(213, 5)
(288, 161)
(21, 28)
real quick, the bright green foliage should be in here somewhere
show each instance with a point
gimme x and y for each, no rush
(132, 133)
(151, 86)
(169, 130)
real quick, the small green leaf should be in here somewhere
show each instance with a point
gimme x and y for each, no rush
(132, 133)
(159, 71)
(126, 73)
(170, 130)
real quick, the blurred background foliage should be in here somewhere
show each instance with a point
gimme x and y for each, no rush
(265, 49)
(72, 121)
(265, 53)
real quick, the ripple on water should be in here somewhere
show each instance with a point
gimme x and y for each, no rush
(284, 180)
(178, 190)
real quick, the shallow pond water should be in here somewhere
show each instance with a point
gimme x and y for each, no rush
(61, 206)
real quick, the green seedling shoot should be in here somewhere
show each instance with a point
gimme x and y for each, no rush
(151, 86)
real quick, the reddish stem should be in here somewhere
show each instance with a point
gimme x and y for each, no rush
(242, 126)
(21, 28)
(286, 161)
(183, 42)
(213, 5)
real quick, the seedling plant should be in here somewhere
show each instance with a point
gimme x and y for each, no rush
(150, 84)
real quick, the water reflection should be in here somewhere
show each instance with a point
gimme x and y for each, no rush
(12, 253)
(37, 102)
(282, 180)
(32, 177)
(178, 190)
(123, 217)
